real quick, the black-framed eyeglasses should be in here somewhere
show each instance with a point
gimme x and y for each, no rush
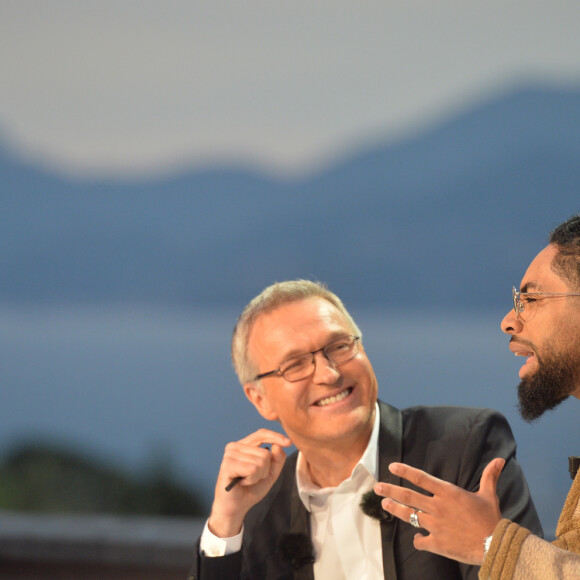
(337, 352)
(521, 298)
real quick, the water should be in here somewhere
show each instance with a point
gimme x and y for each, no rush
(131, 384)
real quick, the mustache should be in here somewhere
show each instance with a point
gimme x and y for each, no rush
(522, 342)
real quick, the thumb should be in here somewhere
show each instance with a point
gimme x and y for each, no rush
(278, 459)
(490, 476)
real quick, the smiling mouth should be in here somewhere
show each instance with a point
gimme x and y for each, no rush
(334, 399)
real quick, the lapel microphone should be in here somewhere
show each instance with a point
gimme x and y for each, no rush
(573, 463)
(297, 550)
(370, 505)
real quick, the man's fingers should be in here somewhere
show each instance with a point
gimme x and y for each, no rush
(277, 460)
(255, 458)
(418, 477)
(278, 454)
(423, 542)
(255, 449)
(266, 437)
(249, 469)
(403, 496)
(403, 512)
(490, 476)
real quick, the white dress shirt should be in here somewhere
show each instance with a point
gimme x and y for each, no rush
(347, 543)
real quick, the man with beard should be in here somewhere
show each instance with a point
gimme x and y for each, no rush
(545, 329)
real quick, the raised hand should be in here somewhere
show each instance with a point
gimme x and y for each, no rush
(258, 469)
(457, 520)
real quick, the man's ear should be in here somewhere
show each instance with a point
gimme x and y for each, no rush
(258, 398)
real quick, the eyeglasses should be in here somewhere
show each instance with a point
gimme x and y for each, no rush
(302, 366)
(521, 298)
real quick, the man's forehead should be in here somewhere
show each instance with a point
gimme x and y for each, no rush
(540, 276)
(299, 312)
(295, 322)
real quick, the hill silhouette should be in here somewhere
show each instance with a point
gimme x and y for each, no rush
(45, 478)
(461, 205)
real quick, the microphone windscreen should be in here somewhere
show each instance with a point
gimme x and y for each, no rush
(297, 549)
(370, 504)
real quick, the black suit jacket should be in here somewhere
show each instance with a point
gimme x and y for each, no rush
(452, 443)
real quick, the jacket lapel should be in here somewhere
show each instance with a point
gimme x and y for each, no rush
(300, 526)
(390, 449)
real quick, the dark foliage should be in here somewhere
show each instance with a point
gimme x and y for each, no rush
(45, 478)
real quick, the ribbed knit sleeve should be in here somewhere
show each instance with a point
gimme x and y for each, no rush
(500, 561)
(568, 529)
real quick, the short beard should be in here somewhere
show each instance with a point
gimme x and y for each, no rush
(553, 382)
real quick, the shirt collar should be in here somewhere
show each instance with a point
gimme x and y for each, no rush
(367, 464)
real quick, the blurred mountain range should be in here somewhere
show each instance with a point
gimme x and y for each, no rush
(45, 478)
(448, 217)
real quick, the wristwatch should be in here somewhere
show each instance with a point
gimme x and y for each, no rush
(486, 545)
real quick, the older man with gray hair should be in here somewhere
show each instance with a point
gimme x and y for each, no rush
(300, 358)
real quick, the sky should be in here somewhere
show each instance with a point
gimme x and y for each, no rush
(124, 87)
(137, 87)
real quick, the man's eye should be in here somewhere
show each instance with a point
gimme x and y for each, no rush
(339, 346)
(295, 365)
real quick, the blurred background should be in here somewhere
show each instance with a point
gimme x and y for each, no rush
(161, 163)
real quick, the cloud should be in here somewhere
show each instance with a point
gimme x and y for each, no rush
(137, 85)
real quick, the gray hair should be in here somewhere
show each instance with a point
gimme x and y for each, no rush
(268, 300)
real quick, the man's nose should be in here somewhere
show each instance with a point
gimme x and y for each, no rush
(325, 371)
(511, 324)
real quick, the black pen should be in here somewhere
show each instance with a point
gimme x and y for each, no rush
(239, 478)
(233, 482)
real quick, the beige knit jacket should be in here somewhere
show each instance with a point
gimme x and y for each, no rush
(516, 554)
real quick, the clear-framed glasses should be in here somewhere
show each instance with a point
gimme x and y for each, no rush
(337, 352)
(522, 298)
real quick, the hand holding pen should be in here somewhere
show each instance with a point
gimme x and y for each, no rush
(239, 478)
(249, 469)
